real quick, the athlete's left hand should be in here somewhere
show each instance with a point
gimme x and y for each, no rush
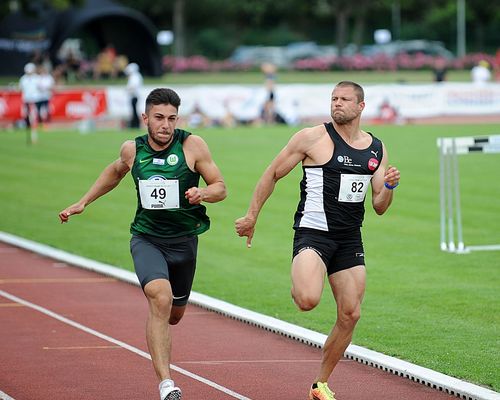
(392, 176)
(194, 195)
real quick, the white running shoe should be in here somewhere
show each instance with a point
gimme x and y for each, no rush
(171, 393)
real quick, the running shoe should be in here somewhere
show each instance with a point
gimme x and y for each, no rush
(172, 393)
(321, 391)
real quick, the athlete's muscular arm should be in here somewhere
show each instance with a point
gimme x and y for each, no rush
(293, 153)
(381, 196)
(200, 160)
(109, 178)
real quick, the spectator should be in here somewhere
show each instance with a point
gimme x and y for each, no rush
(387, 113)
(104, 65)
(121, 62)
(134, 86)
(72, 65)
(440, 70)
(227, 120)
(46, 86)
(29, 84)
(268, 110)
(480, 73)
(68, 68)
(197, 118)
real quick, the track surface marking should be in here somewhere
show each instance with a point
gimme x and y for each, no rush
(44, 357)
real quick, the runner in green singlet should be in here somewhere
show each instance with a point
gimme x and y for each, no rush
(166, 165)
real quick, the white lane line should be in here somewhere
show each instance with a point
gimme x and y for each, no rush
(5, 396)
(217, 362)
(119, 343)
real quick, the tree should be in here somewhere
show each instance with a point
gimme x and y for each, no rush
(31, 7)
(215, 27)
(340, 11)
(483, 21)
(179, 24)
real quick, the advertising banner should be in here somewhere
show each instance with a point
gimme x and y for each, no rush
(294, 102)
(67, 105)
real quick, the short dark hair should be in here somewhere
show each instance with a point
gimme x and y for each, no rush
(162, 96)
(360, 93)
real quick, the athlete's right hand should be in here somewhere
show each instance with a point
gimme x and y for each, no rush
(245, 226)
(71, 210)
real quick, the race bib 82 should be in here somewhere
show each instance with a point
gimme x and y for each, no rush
(353, 187)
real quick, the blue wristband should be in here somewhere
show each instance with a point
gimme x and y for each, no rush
(391, 187)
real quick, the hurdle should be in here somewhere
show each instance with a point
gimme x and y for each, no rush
(450, 148)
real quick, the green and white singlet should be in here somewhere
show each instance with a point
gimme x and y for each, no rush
(161, 178)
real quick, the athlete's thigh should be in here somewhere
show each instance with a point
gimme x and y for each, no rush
(308, 273)
(149, 261)
(312, 251)
(181, 259)
(348, 287)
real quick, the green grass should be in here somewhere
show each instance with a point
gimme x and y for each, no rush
(330, 77)
(429, 307)
(283, 77)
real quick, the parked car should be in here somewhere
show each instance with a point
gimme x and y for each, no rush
(256, 55)
(428, 47)
(281, 56)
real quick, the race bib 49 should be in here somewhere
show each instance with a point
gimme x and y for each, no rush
(159, 194)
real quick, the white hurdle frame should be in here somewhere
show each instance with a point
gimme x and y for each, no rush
(449, 189)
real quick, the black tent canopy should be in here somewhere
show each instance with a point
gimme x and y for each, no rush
(105, 22)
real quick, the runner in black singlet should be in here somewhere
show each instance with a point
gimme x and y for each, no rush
(339, 161)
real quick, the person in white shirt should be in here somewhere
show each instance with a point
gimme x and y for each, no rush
(134, 86)
(480, 73)
(46, 87)
(30, 94)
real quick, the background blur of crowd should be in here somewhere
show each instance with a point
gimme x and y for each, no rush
(245, 37)
(72, 66)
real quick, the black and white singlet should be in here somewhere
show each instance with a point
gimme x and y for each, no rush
(332, 195)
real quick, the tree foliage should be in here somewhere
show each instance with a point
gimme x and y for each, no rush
(339, 22)
(34, 7)
(216, 27)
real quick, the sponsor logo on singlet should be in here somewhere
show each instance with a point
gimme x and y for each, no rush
(347, 161)
(156, 178)
(172, 159)
(372, 164)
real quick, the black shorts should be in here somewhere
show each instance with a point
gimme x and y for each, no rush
(171, 259)
(339, 250)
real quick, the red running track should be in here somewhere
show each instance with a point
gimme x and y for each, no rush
(68, 333)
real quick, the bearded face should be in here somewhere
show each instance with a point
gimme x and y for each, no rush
(342, 117)
(161, 121)
(345, 106)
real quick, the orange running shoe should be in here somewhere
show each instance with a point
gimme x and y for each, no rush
(321, 391)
